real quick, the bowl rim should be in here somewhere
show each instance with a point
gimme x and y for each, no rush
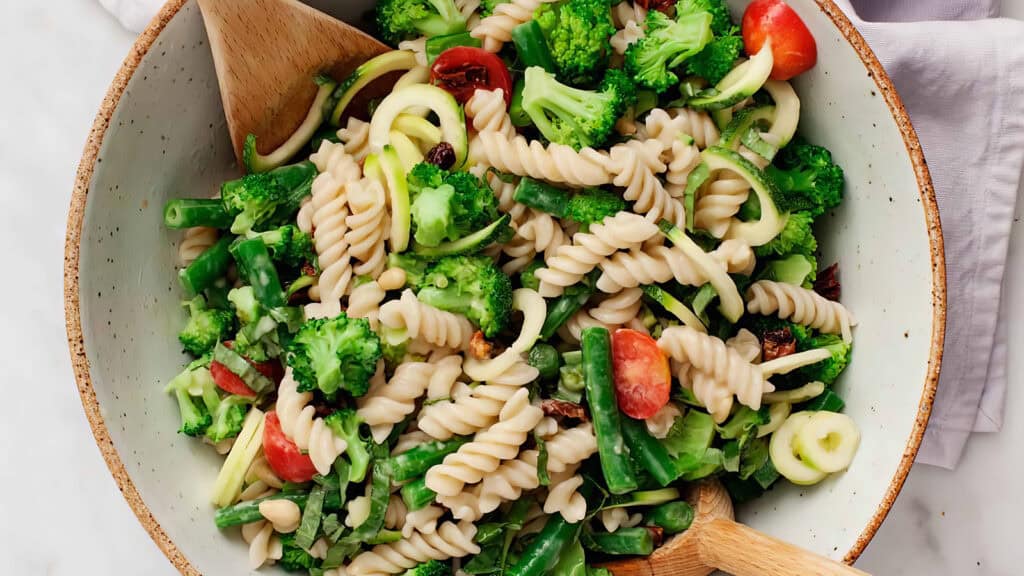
(90, 157)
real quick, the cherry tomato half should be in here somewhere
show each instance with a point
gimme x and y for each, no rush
(642, 377)
(283, 455)
(793, 46)
(461, 70)
(228, 381)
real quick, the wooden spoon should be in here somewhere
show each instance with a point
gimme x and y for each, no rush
(715, 541)
(266, 53)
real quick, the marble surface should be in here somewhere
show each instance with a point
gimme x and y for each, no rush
(63, 514)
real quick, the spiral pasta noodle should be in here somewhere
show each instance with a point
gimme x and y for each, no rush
(662, 421)
(450, 540)
(555, 163)
(611, 313)
(626, 11)
(330, 210)
(424, 322)
(539, 232)
(388, 404)
(488, 449)
(495, 30)
(659, 264)
(800, 305)
(477, 408)
(636, 164)
(614, 518)
(447, 370)
(727, 370)
(629, 33)
(564, 497)
(364, 302)
(489, 113)
(719, 202)
(367, 226)
(418, 46)
(398, 517)
(264, 546)
(667, 125)
(195, 241)
(572, 262)
(683, 159)
(300, 425)
(355, 136)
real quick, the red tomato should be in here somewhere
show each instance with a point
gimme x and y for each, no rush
(229, 382)
(283, 455)
(793, 47)
(463, 69)
(642, 377)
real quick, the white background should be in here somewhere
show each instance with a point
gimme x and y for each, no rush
(60, 511)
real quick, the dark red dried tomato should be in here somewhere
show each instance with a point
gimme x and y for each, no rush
(442, 156)
(777, 343)
(562, 409)
(827, 283)
(665, 6)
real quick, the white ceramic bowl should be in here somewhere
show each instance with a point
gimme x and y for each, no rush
(161, 134)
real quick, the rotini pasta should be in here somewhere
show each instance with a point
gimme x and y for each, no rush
(636, 164)
(449, 541)
(564, 497)
(300, 425)
(683, 159)
(801, 306)
(719, 202)
(388, 404)
(264, 546)
(367, 227)
(570, 263)
(662, 421)
(398, 517)
(659, 264)
(488, 449)
(418, 46)
(495, 30)
(422, 321)
(488, 112)
(364, 302)
(727, 369)
(555, 163)
(477, 408)
(355, 136)
(667, 125)
(539, 232)
(195, 241)
(611, 313)
(629, 33)
(614, 518)
(627, 11)
(330, 210)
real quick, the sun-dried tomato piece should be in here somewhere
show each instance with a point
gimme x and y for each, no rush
(480, 348)
(665, 6)
(777, 343)
(657, 533)
(561, 409)
(827, 283)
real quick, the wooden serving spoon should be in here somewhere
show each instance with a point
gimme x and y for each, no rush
(716, 541)
(266, 53)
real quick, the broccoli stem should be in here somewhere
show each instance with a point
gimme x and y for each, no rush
(532, 47)
(249, 511)
(415, 462)
(604, 411)
(673, 517)
(624, 541)
(210, 266)
(542, 196)
(189, 212)
(650, 453)
(543, 552)
(255, 263)
(416, 495)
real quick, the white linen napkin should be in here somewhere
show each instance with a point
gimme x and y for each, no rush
(960, 72)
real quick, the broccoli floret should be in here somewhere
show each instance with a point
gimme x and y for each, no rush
(717, 58)
(666, 45)
(205, 327)
(289, 246)
(294, 558)
(487, 7)
(247, 307)
(797, 269)
(472, 286)
(345, 425)
(574, 116)
(257, 201)
(399, 20)
(721, 19)
(448, 205)
(796, 238)
(228, 417)
(806, 179)
(197, 397)
(528, 277)
(429, 568)
(827, 370)
(334, 353)
(592, 205)
(414, 267)
(577, 33)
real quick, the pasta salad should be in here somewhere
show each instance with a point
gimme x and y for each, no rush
(497, 320)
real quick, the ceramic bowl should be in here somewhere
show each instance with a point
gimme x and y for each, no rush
(161, 134)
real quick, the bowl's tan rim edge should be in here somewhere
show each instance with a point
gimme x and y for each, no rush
(80, 361)
(938, 262)
(73, 319)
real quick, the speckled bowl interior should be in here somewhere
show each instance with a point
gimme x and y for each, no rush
(162, 134)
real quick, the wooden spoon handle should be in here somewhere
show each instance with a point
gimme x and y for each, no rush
(743, 551)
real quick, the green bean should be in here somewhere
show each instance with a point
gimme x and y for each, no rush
(542, 196)
(189, 212)
(255, 263)
(416, 495)
(625, 541)
(543, 552)
(673, 517)
(249, 511)
(210, 266)
(416, 461)
(604, 411)
(532, 47)
(567, 304)
(437, 44)
(650, 453)
(544, 358)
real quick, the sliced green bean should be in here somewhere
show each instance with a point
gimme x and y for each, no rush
(604, 411)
